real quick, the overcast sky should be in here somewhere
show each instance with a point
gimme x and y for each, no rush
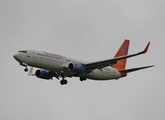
(90, 30)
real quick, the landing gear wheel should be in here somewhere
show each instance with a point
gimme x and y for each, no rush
(83, 78)
(63, 82)
(26, 69)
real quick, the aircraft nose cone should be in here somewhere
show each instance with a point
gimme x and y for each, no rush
(16, 57)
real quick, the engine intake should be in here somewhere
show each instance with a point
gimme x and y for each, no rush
(44, 74)
(76, 67)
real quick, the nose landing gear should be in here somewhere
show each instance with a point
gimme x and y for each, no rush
(26, 69)
(25, 65)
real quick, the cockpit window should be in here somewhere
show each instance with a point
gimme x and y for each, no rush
(23, 51)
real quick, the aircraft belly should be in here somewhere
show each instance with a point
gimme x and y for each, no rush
(103, 75)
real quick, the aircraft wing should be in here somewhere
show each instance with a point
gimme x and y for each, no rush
(110, 62)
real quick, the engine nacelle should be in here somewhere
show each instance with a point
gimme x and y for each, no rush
(76, 67)
(44, 74)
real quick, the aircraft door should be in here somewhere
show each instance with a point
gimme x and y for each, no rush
(34, 55)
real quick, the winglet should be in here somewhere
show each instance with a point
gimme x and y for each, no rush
(146, 49)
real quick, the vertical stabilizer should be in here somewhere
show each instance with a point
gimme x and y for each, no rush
(121, 64)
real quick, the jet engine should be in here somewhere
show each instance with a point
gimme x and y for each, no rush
(44, 74)
(76, 67)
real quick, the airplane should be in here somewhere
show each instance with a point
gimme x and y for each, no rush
(54, 65)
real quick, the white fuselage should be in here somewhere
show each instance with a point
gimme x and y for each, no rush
(59, 65)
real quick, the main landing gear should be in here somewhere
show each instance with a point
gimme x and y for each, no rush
(63, 81)
(83, 78)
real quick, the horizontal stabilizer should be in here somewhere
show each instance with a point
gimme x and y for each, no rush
(135, 69)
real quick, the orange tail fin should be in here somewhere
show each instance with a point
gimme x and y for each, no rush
(120, 65)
